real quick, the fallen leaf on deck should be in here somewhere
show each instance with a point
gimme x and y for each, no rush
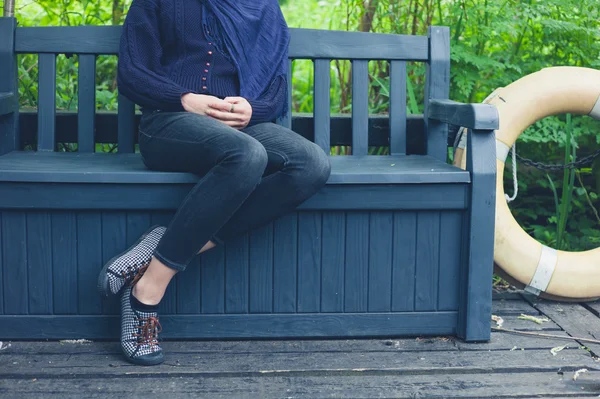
(554, 351)
(579, 372)
(393, 164)
(499, 320)
(514, 348)
(538, 320)
(2, 346)
(75, 341)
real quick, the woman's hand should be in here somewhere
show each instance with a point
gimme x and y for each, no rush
(233, 111)
(200, 103)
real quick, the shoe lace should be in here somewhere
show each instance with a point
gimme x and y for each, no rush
(148, 329)
(134, 275)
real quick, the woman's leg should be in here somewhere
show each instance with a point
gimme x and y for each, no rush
(296, 170)
(231, 164)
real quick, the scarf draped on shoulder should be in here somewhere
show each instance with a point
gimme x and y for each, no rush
(255, 37)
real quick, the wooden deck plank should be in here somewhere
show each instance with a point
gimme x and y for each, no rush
(358, 384)
(575, 319)
(513, 307)
(231, 364)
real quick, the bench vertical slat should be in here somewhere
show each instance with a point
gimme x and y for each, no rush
(114, 241)
(285, 257)
(188, 288)
(14, 252)
(309, 262)
(126, 125)
(39, 262)
(333, 261)
(322, 104)
(89, 261)
(87, 103)
(356, 279)
(261, 270)
(213, 281)
(286, 121)
(398, 107)
(169, 302)
(437, 86)
(9, 139)
(380, 262)
(236, 275)
(404, 261)
(47, 102)
(428, 259)
(64, 259)
(451, 231)
(360, 107)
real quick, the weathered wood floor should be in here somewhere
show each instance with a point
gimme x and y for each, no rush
(509, 366)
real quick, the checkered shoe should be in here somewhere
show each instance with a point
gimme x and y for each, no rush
(139, 334)
(121, 269)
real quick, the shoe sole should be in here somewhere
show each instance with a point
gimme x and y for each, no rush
(145, 360)
(103, 282)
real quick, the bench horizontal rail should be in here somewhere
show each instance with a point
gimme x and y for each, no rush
(7, 103)
(341, 129)
(472, 116)
(73, 196)
(304, 43)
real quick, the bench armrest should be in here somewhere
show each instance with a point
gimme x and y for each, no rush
(471, 116)
(7, 103)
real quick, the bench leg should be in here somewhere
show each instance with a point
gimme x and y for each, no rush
(475, 306)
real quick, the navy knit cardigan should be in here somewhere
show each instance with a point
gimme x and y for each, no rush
(165, 53)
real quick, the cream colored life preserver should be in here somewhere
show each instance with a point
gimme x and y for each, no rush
(542, 270)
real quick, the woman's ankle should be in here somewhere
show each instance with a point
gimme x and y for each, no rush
(147, 293)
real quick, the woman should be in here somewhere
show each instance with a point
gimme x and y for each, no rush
(210, 76)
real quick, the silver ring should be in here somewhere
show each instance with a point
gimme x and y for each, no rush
(232, 108)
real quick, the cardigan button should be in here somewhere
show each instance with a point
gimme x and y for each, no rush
(210, 53)
(206, 71)
(208, 64)
(203, 78)
(204, 87)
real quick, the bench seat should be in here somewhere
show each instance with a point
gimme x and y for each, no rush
(63, 167)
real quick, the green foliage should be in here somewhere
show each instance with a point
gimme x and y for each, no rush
(493, 44)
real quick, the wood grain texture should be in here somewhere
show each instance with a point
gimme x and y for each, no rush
(285, 260)
(114, 242)
(310, 242)
(189, 285)
(240, 326)
(428, 261)
(9, 87)
(437, 86)
(404, 261)
(475, 304)
(575, 319)
(305, 43)
(14, 252)
(213, 281)
(46, 102)
(64, 262)
(380, 261)
(360, 107)
(301, 123)
(472, 116)
(237, 279)
(333, 261)
(86, 107)
(450, 260)
(75, 167)
(168, 197)
(127, 126)
(322, 101)
(261, 270)
(398, 126)
(39, 262)
(89, 262)
(357, 262)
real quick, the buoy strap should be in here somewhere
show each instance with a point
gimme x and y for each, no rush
(596, 110)
(543, 274)
(502, 151)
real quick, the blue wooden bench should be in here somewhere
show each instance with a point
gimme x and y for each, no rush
(398, 245)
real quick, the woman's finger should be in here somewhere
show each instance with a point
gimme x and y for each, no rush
(220, 106)
(226, 116)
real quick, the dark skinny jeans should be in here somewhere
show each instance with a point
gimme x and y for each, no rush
(247, 178)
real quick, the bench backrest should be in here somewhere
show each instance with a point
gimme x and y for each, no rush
(320, 46)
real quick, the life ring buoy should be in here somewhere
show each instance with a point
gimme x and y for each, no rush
(543, 271)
